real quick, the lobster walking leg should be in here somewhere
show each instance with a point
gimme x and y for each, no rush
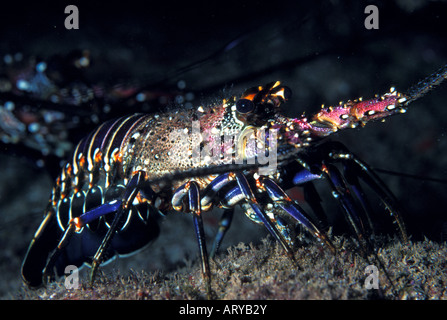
(385, 195)
(129, 195)
(76, 224)
(209, 196)
(242, 192)
(312, 197)
(356, 168)
(200, 234)
(341, 192)
(194, 205)
(191, 190)
(224, 225)
(253, 203)
(289, 206)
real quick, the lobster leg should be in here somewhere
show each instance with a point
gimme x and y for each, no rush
(208, 197)
(224, 225)
(312, 197)
(385, 195)
(129, 195)
(253, 203)
(194, 205)
(356, 168)
(348, 205)
(293, 209)
(293, 175)
(76, 224)
(191, 190)
(241, 192)
(341, 192)
(206, 201)
(352, 180)
(317, 169)
(232, 197)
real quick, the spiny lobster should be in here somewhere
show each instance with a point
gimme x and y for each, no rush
(130, 171)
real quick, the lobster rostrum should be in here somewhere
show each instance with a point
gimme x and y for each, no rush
(131, 171)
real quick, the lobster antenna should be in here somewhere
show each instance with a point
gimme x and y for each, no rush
(424, 86)
(409, 175)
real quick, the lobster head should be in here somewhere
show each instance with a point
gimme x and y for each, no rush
(260, 104)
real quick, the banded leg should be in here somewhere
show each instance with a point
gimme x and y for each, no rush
(191, 190)
(232, 197)
(312, 197)
(129, 195)
(224, 225)
(356, 168)
(352, 180)
(208, 198)
(76, 224)
(253, 203)
(294, 174)
(292, 208)
(341, 192)
(362, 170)
(337, 184)
(243, 193)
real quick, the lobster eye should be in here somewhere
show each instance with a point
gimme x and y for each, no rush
(245, 106)
(287, 93)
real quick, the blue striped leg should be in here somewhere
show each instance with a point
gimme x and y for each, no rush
(305, 179)
(281, 199)
(242, 192)
(342, 193)
(339, 191)
(76, 224)
(224, 225)
(250, 198)
(191, 191)
(210, 194)
(356, 168)
(132, 189)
